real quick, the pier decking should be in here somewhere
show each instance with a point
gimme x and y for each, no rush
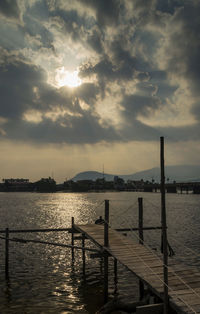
(183, 281)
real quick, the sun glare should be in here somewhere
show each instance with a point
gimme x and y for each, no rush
(67, 78)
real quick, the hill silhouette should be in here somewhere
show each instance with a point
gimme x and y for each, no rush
(180, 173)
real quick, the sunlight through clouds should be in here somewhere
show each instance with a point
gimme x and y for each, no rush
(86, 72)
(67, 78)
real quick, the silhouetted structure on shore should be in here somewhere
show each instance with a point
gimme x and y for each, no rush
(17, 185)
(48, 185)
(45, 185)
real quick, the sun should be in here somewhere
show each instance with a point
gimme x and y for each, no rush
(67, 78)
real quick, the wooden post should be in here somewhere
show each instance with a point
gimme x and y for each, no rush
(72, 240)
(106, 236)
(83, 253)
(164, 226)
(115, 275)
(106, 244)
(7, 253)
(140, 220)
(141, 239)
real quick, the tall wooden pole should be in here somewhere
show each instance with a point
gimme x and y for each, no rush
(164, 226)
(106, 244)
(7, 254)
(141, 239)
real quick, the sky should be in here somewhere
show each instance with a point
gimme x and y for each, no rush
(93, 84)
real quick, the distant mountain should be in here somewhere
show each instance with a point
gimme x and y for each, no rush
(93, 175)
(189, 173)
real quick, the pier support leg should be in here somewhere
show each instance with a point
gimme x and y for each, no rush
(7, 254)
(105, 278)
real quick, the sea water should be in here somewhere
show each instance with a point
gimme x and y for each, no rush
(44, 279)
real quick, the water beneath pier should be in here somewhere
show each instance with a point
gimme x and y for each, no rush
(43, 279)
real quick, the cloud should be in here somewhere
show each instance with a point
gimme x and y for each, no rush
(136, 60)
(10, 9)
(107, 12)
(179, 54)
(95, 41)
(39, 112)
(139, 104)
(18, 79)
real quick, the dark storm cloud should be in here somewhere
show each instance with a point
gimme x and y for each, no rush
(139, 104)
(10, 8)
(107, 11)
(182, 133)
(184, 46)
(80, 131)
(87, 92)
(17, 81)
(138, 131)
(168, 6)
(119, 66)
(95, 41)
(70, 21)
(164, 89)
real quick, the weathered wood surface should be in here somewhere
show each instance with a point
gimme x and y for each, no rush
(184, 281)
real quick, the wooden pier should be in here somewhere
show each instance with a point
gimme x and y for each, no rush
(183, 281)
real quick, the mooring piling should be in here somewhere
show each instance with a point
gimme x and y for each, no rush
(106, 244)
(106, 236)
(164, 226)
(7, 253)
(141, 239)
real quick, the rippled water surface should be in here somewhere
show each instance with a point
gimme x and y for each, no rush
(43, 279)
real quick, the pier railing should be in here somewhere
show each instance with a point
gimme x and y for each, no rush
(5, 235)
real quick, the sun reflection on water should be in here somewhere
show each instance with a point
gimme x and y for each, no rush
(44, 279)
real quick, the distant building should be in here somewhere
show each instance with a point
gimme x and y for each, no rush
(17, 185)
(45, 185)
(119, 183)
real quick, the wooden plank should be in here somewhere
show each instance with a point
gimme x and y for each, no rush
(194, 300)
(150, 309)
(182, 292)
